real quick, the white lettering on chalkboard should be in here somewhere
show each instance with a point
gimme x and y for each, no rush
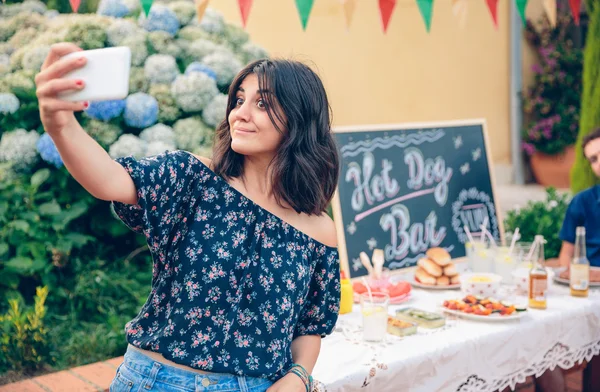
(404, 237)
(470, 210)
(370, 188)
(426, 172)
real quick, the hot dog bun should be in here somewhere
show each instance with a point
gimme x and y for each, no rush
(450, 270)
(455, 279)
(430, 267)
(439, 255)
(443, 281)
(422, 276)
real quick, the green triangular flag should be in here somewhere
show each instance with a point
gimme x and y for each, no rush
(146, 5)
(304, 8)
(426, 8)
(521, 6)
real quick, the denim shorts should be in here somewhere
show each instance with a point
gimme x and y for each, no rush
(139, 372)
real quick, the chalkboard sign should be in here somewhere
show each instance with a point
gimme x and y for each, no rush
(410, 187)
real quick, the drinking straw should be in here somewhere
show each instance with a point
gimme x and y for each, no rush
(513, 241)
(368, 288)
(530, 254)
(468, 232)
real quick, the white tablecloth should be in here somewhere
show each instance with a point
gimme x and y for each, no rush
(464, 355)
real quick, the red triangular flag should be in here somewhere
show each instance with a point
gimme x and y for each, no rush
(493, 7)
(75, 5)
(575, 8)
(245, 6)
(386, 7)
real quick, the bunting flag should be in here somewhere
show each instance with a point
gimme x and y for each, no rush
(74, 4)
(550, 8)
(349, 8)
(493, 7)
(575, 8)
(146, 5)
(304, 8)
(200, 8)
(245, 6)
(426, 9)
(521, 7)
(459, 8)
(386, 7)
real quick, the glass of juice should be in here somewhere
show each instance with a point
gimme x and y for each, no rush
(504, 264)
(374, 309)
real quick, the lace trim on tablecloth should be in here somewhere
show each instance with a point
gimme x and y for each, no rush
(352, 332)
(559, 355)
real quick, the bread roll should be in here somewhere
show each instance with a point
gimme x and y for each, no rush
(455, 279)
(439, 255)
(430, 267)
(450, 270)
(443, 281)
(422, 276)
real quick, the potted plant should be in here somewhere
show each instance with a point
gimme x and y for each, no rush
(551, 104)
(541, 217)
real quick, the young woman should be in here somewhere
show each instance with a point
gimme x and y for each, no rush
(246, 273)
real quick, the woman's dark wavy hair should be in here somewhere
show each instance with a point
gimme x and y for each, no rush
(305, 169)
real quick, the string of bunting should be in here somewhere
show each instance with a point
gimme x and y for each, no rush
(386, 9)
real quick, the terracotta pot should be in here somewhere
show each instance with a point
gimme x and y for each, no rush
(553, 170)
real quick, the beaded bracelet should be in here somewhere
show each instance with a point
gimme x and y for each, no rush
(301, 372)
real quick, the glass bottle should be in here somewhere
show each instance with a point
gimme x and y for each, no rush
(580, 266)
(538, 277)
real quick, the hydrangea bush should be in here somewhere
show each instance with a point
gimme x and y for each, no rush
(181, 70)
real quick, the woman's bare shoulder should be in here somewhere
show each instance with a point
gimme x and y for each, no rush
(323, 229)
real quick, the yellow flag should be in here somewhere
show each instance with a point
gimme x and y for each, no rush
(200, 8)
(459, 8)
(550, 8)
(349, 8)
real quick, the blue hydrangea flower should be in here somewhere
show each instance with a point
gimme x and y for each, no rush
(160, 18)
(9, 103)
(197, 66)
(114, 8)
(141, 110)
(48, 152)
(106, 110)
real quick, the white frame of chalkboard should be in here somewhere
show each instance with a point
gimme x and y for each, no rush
(335, 203)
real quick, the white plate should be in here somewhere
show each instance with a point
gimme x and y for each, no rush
(430, 287)
(493, 317)
(558, 279)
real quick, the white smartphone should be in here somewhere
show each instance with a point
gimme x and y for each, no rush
(106, 75)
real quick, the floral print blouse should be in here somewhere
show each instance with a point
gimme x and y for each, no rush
(232, 284)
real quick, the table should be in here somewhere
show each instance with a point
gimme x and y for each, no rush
(465, 355)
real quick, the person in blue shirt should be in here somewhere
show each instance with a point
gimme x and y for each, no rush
(584, 210)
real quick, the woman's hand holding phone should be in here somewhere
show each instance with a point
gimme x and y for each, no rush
(55, 113)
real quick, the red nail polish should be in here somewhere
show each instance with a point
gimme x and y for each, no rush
(86, 104)
(79, 82)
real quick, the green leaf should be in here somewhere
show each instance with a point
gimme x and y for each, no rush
(9, 279)
(39, 177)
(78, 240)
(50, 209)
(39, 265)
(30, 216)
(66, 216)
(19, 225)
(19, 264)
(3, 248)
(64, 246)
(37, 250)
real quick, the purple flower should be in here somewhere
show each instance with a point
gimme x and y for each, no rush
(537, 69)
(528, 148)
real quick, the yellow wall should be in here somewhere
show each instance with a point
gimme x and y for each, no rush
(404, 76)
